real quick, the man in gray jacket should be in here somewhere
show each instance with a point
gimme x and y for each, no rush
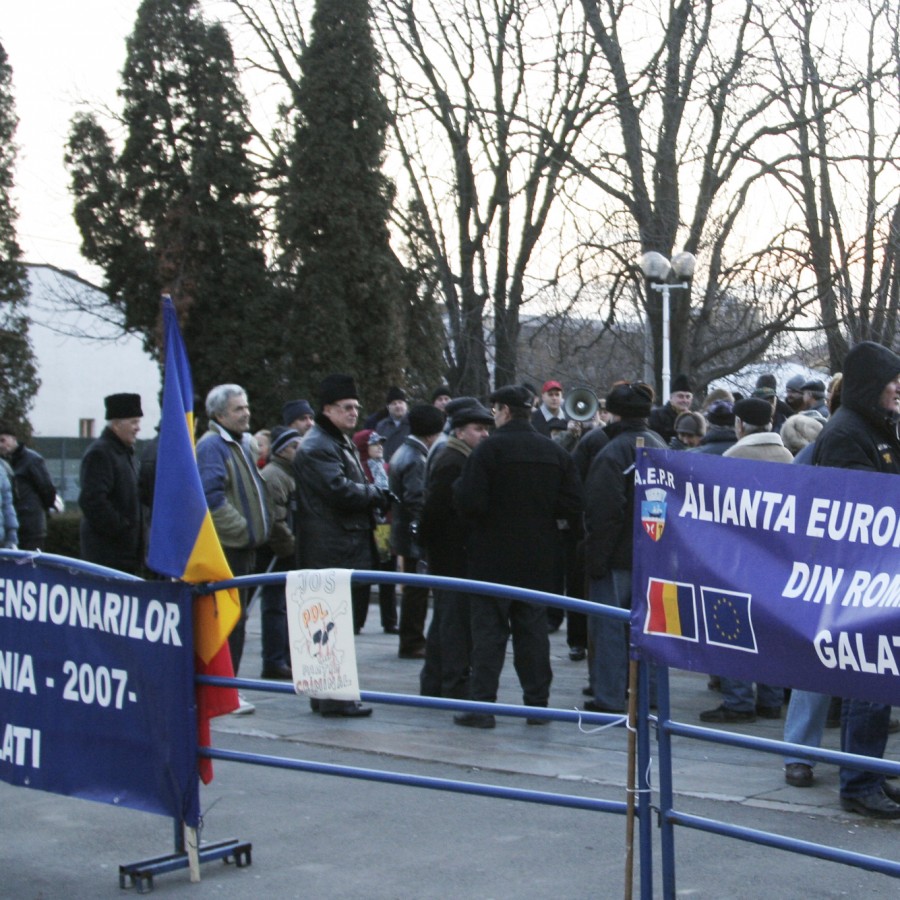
(235, 494)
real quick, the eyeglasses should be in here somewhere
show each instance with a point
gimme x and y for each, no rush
(348, 407)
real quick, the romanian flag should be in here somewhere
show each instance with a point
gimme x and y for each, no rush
(671, 609)
(183, 540)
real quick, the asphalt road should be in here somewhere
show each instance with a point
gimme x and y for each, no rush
(322, 836)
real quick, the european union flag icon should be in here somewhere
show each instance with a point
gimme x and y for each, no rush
(728, 620)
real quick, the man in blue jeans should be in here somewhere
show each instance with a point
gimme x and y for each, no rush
(864, 434)
(609, 501)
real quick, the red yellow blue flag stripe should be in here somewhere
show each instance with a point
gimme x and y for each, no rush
(183, 541)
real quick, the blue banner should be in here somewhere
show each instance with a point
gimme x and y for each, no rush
(784, 574)
(96, 688)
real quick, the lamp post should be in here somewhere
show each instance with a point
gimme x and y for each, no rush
(658, 270)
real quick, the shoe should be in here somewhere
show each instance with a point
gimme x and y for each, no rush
(576, 654)
(475, 720)
(391, 629)
(348, 709)
(876, 805)
(277, 673)
(798, 775)
(891, 791)
(893, 726)
(245, 707)
(724, 714)
(587, 691)
(592, 706)
(535, 721)
(412, 654)
(714, 683)
(768, 712)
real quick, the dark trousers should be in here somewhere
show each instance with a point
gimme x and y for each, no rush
(359, 597)
(864, 730)
(413, 610)
(448, 648)
(241, 561)
(493, 621)
(387, 599)
(276, 651)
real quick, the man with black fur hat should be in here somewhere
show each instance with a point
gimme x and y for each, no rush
(864, 434)
(662, 419)
(112, 532)
(514, 488)
(443, 535)
(608, 516)
(336, 503)
(406, 476)
(394, 427)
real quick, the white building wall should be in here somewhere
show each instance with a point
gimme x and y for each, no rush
(82, 356)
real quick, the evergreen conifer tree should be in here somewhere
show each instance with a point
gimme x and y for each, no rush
(348, 286)
(18, 373)
(174, 211)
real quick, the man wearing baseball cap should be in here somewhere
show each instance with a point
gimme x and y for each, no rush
(550, 408)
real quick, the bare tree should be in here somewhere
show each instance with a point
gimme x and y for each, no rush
(490, 101)
(842, 181)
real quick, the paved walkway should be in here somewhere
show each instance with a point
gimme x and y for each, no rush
(562, 750)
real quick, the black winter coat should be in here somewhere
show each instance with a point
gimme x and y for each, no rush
(716, 440)
(662, 421)
(406, 476)
(112, 532)
(35, 494)
(609, 497)
(862, 434)
(442, 530)
(335, 502)
(514, 488)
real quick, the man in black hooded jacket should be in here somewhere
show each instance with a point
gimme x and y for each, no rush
(864, 434)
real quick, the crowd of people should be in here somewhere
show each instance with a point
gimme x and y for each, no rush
(509, 492)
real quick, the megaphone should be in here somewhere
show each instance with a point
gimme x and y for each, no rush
(581, 404)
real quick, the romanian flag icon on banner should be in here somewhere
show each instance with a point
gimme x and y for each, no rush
(671, 609)
(183, 540)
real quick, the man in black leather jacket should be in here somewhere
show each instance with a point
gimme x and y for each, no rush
(335, 520)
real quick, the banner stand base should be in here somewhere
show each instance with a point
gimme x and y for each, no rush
(140, 874)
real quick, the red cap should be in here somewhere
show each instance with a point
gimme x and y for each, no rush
(551, 386)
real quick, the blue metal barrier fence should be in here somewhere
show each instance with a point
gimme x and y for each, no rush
(668, 815)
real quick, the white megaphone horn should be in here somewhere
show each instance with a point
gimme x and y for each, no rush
(581, 404)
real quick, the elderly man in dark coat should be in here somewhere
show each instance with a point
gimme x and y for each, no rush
(513, 490)
(112, 531)
(335, 501)
(443, 534)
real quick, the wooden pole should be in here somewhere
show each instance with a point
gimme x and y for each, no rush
(631, 783)
(632, 762)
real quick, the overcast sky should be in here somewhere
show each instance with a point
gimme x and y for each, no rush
(63, 53)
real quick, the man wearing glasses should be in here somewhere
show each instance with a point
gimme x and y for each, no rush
(336, 503)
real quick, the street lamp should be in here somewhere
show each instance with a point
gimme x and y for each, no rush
(657, 270)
